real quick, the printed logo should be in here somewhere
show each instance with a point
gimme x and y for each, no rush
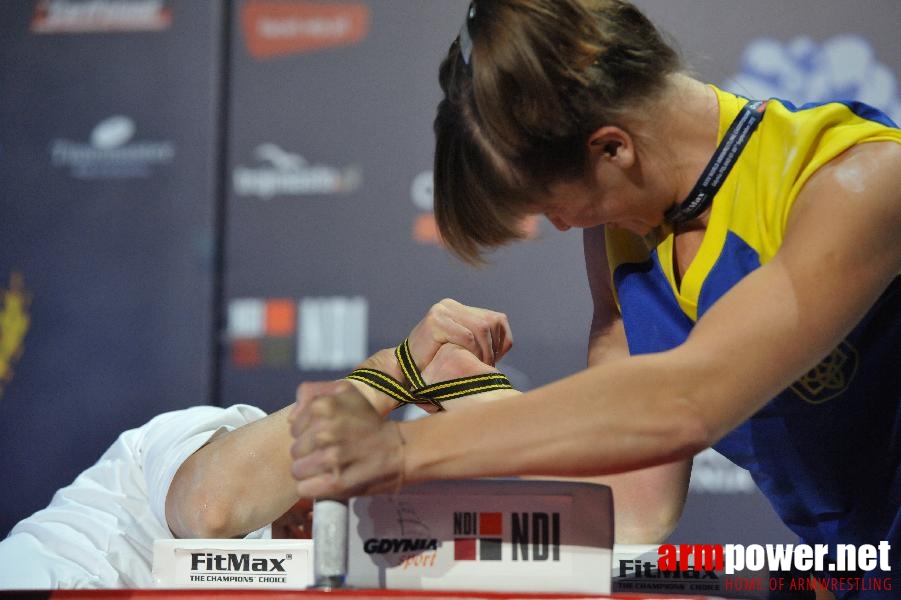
(14, 322)
(842, 68)
(332, 333)
(238, 568)
(397, 545)
(111, 153)
(86, 16)
(261, 332)
(276, 28)
(480, 536)
(829, 378)
(422, 193)
(286, 174)
(798, 567)
(644, 575)
(425, 228)
(713, 473)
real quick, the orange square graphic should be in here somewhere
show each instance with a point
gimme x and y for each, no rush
(491, 523)
(281, 317)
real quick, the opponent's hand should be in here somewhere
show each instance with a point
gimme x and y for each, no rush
(342, 446)
(452, 362)
(483, 332)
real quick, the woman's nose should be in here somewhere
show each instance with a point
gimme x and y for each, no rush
(559, 223)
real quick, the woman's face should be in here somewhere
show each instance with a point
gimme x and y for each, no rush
(616, 203)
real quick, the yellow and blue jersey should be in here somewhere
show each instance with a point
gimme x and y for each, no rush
(826, 451)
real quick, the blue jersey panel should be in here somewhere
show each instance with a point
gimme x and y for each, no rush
(648, 305)
(735, 261)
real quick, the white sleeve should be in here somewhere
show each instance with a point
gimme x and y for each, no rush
(171, 438)
(27, 563)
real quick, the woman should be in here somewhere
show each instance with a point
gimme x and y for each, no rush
(752, 306)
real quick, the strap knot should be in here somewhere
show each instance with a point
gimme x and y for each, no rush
(420, 392)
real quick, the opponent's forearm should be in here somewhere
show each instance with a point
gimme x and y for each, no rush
(242, 481)
(624, 415)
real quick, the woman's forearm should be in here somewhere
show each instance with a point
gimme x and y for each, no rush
(583, 425)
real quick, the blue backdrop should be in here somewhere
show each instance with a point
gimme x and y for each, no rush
(209, 202)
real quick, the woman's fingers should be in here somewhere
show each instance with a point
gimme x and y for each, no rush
(342, 446)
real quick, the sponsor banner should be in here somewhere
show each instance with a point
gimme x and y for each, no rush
(844, 67)
(504, 535)
(328, 333)
(281, 173)
(261, 332)
(91, 16)
(111, 152)
(332, 333)
(15, 319)
(752, 571)
(214, 563)
(635, 569)
(278, 28)
(422, 193)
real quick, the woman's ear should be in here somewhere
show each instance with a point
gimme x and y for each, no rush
(612, 145)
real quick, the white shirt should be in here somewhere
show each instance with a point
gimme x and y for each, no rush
(98, 532)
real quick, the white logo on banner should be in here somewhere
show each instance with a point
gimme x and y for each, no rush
(842, 68)
(246, 318)
(422, 191)
(82, 16)
(111, 153)
(711, 472)
(291, 175)
(332, 333)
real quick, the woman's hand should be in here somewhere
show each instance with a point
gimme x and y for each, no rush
(452, 362)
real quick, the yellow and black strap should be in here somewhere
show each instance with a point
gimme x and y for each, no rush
(408, 365)
(390, 386)
(464, 386)
(419, 392)
(383, 383)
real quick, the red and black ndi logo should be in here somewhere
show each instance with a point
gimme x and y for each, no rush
(480, 535)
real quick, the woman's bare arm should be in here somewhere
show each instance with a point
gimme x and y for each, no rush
(841, 251)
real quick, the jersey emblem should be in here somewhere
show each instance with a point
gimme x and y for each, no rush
(829, 378)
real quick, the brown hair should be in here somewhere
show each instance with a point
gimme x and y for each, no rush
(541, 77)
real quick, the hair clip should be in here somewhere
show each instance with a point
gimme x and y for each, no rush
(464, 37)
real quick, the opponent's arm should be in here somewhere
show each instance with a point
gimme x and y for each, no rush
(241, 480)
(840, 252)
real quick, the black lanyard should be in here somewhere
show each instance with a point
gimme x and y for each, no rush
(720, 164)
